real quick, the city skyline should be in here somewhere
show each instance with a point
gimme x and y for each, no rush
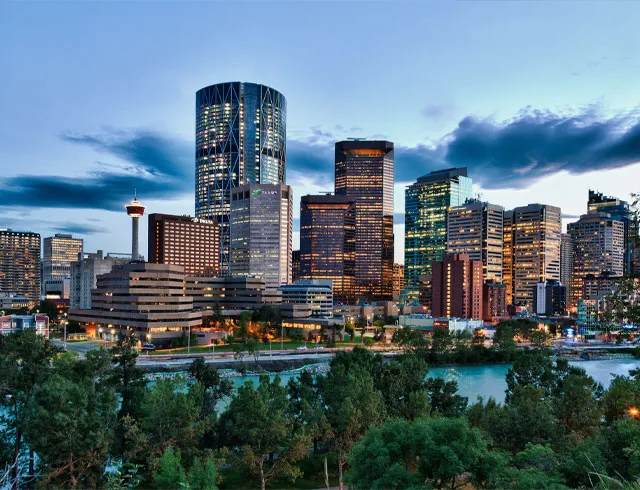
(108, 124)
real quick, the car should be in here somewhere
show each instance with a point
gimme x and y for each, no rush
(319, 347)
(301, 347)
(148, 347)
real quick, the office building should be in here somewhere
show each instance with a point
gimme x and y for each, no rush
(147, 300)
(240, 139)
(10, 301)
(457, 287)
(566, 261)
(230, 293)
(598, 247)
(58, 288)
(535, 250)
(20, 263)
(364, 173)
(295, 265)
(260, 232)
(475, 229)
(84, 273)
(621, 211)
(18, 323)
(494, 301)
(314, 294)
(193, 243)
(328, 241)
(588, 320)
(550, 299)
(59, 252)
(507, 255)
(427, 203)
(398, 280)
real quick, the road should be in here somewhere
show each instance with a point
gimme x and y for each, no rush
(80, 347)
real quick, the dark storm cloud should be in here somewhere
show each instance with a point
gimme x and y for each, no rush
(159, 167)
(310, 163)
(79, 228)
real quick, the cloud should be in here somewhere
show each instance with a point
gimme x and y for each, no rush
(158, 166)
(570, 216)
(436, 111)
(311, 163)
(79, 228)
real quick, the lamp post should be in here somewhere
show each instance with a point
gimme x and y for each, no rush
(64, 343)
(189, 341)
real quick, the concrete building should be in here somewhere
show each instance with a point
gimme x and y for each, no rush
(20, 264)
(230, 294)
(494, 301)
(241, 138)
(193, 243)
(57, 288)
(84, 273)
(550, 299)
(17, 323)
(532, 239)
(598, 247)
(13, 302)
(364, 173)
(566, 261)
(428, 323)
(427, 202)
(398, 280)
(315, 294)
(457, 287)
(476, 229)
(328, 242)
(59, 252)
(145, 299)
(260, 233)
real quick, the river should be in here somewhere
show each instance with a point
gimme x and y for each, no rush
(489, 380)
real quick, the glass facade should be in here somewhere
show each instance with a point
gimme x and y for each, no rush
(20, 263)
(427, 203)
(364, 173)
(60, 251)
(328, 241)
(240, 139)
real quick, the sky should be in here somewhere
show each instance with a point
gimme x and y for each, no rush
(538, 99)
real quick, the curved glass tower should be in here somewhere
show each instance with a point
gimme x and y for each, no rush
(240, 139)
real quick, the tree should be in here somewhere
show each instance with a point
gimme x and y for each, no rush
(410, 339)
(171, 473)
(503, 337)
(576, 408)
(305, 406)
(402, 382)
(25, 362)
(623, 393)
(252, 346)
(257, 426)
(352, 406)
(243, 325)
(215, 387)
(444, 399)
(203, 475)
(540, 338)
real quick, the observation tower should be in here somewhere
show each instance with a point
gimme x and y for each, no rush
(135, 210)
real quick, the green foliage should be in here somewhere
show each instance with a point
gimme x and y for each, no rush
(126, 478)
(171, 473)
(623, 393)
(215, 387)
(444, 399)
(203, 475)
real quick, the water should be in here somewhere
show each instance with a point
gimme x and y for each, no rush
(489, 380)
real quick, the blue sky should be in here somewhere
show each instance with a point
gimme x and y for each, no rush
(539, 99)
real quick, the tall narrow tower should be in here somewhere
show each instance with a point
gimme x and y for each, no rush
(135, 209)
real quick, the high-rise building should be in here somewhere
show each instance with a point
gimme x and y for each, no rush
(598, 247)
(550, 298)
(566, 260)
(193, 243)
(84, 273)
(621, 211)
(60, 251)
(507, 255)
(398, 280)
(535, 246)
(475, 229)
(260, 232)
(427, 203)
(494, 299)
(240, 139)
(295, 265)
(328, 241)
(457, 287)
(20, 263)
(364, 173)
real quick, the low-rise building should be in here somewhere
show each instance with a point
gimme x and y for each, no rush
(494, 301)
(13, 302)
(315, 294)
(429, 324)
(17, 323)
(230, 293)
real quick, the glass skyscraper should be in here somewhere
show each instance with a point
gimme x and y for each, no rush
(60, 251)
(364, 173)
(240, 139)
(427, 203)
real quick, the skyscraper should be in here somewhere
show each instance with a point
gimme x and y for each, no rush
(20, 263)
(457, 287)
(475, 229)
(328, 241)
(427, 202)
(364, 173)
(240, 139)
(598, 247)
(566, 261)
(507, 255)
(260, 233)
(193, 243)
(621, 211)
(536, 230)
(60, 251)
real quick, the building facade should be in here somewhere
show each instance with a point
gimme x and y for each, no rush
(364, 173)
(457, 287)
(550, 299)
(427, 203)
(328, 242)
(507, 255)
(295, 265)
(535, 250)
(240, 139)
(598, 247)
(230, 293)
(398, 280)
(566, 261)
(476, 229)
(84, 273)
(260, 232)
(193, 243)
(315, 294)
(494, 298)
(18, 323)
(59, 252)
(20, 263)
